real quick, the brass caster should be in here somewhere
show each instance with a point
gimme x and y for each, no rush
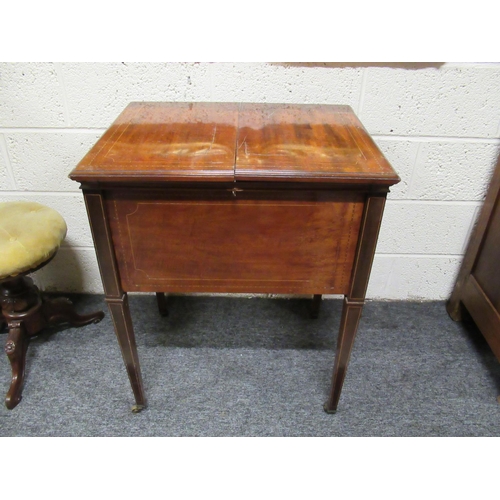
(137, 408)
(325, 407)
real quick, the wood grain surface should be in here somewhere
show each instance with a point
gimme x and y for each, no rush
(224, 142)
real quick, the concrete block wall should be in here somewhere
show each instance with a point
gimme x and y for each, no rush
(438, 124)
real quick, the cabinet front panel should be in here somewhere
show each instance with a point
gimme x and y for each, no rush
(247, 243)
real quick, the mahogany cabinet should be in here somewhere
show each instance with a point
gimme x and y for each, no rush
(235, 198)
(478, 283)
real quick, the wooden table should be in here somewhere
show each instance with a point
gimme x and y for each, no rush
(235, 198)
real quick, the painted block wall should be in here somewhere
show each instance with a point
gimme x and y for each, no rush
(438, 124)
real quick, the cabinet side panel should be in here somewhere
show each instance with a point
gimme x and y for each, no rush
(485, 270)
(483, 312)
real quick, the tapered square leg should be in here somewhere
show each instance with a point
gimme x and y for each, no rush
(314, 306)
(355, 299)
(351, 313)
(122, 320)
(162, 304)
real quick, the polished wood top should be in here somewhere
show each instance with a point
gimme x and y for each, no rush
(227, 142)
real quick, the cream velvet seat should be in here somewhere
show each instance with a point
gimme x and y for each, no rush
(30, 235)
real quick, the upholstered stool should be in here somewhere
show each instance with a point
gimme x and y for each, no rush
(30, 235)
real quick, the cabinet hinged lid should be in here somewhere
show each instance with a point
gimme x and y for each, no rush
(227, 142)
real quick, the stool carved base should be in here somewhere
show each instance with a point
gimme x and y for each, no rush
(26, 313)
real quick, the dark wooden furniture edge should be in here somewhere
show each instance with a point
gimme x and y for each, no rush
(483, 312)
(454, 304)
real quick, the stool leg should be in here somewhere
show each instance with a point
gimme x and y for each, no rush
(61, 310)
(15, 348)
(26, 314)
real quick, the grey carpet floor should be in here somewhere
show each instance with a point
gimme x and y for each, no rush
(229, 366)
